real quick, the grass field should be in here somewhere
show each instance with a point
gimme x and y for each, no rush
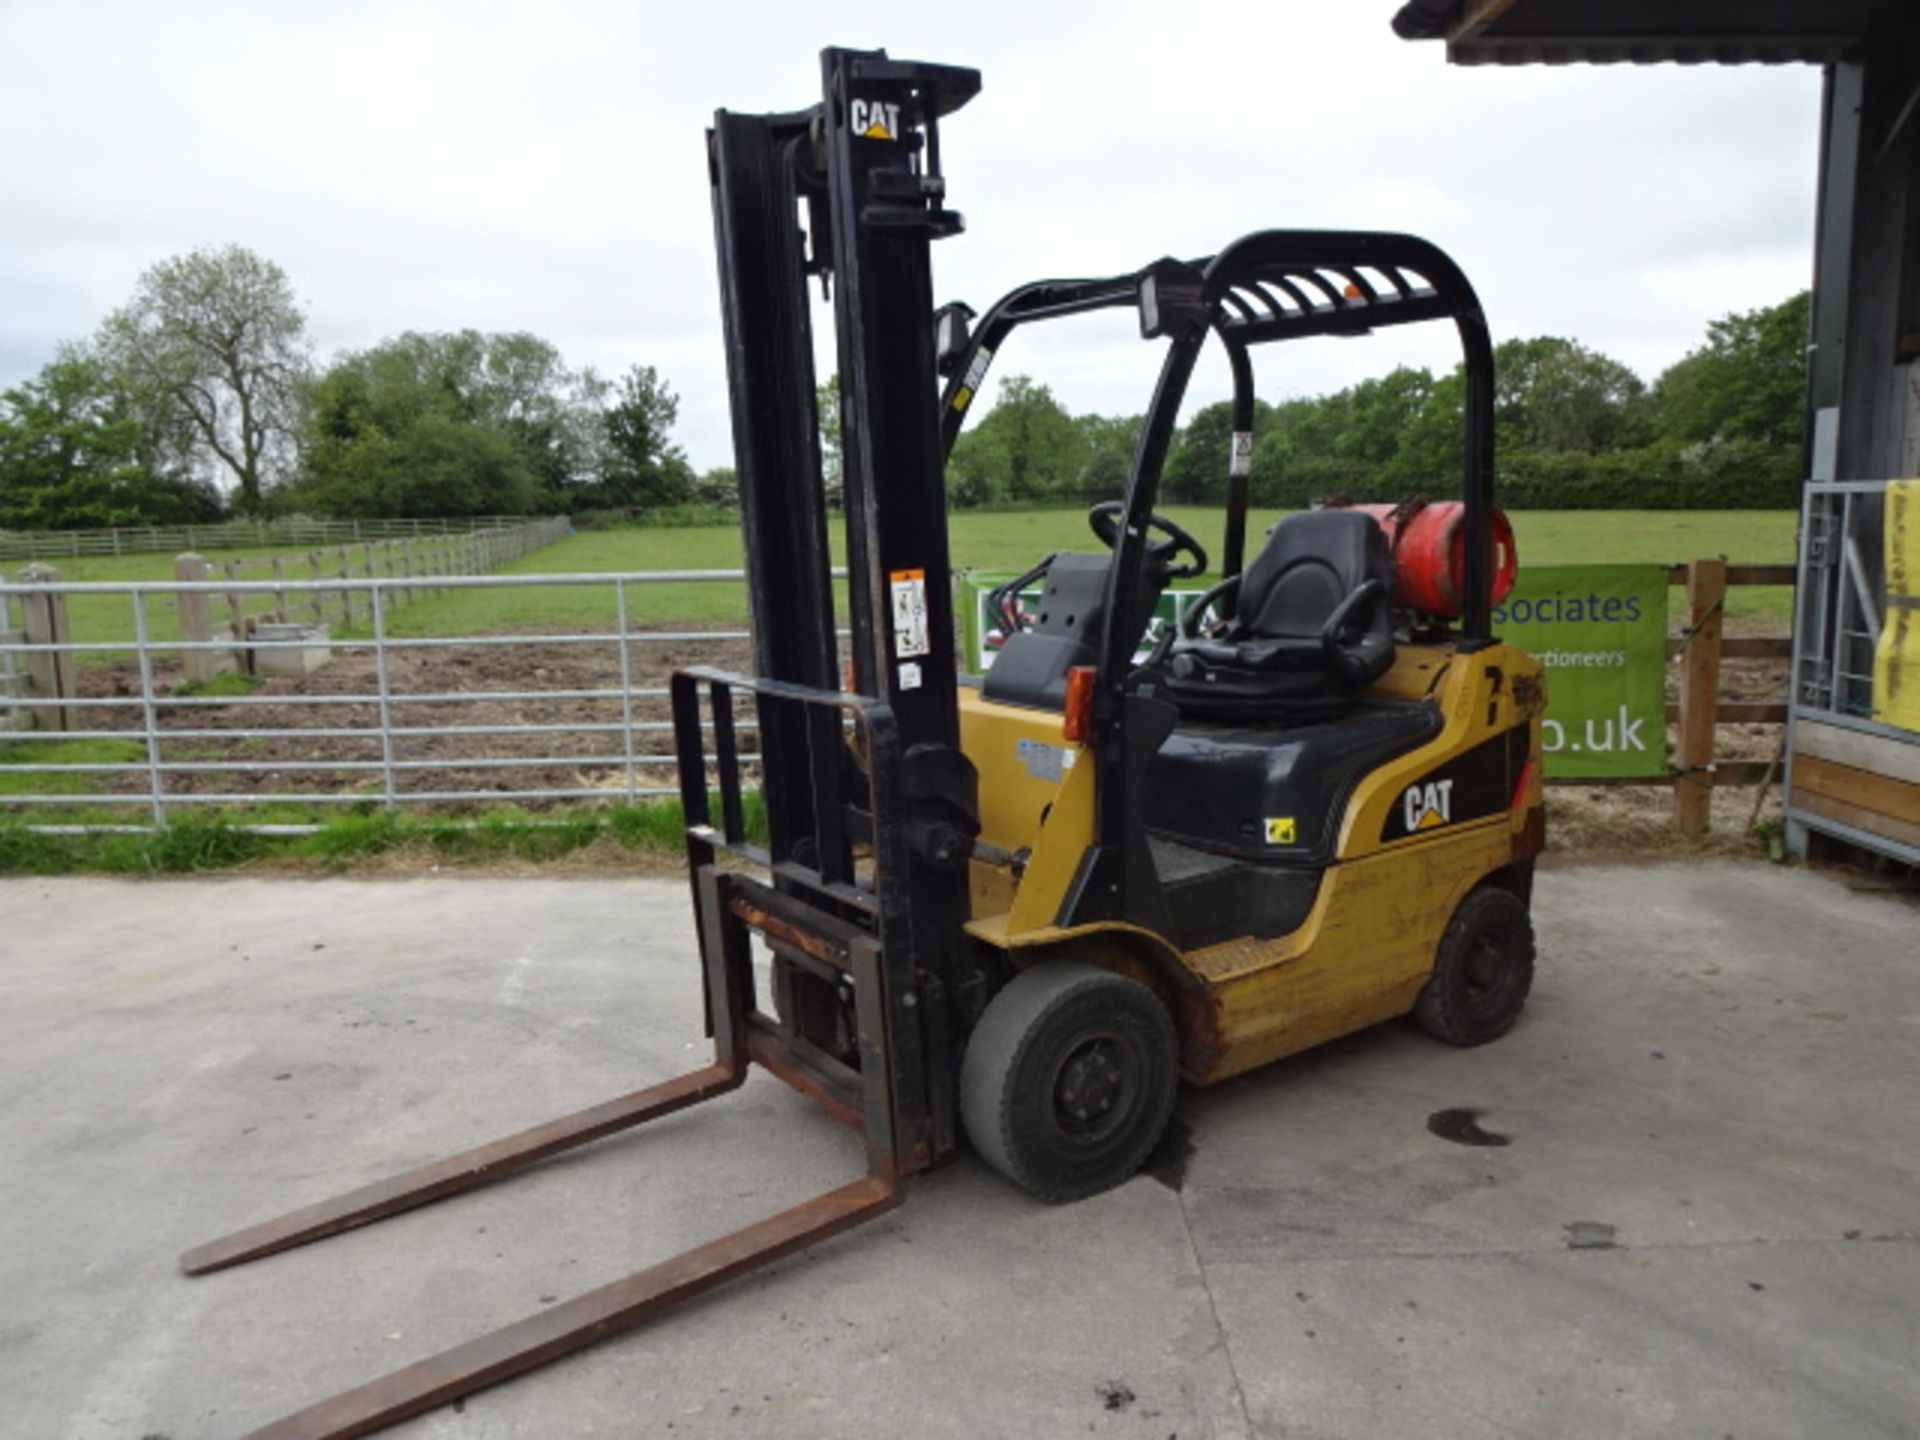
(999, 541)
(1012, 540)
(104, 618)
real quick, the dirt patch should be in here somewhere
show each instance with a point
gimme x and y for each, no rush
(587, 743)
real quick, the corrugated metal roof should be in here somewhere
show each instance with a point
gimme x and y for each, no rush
(1611, 32)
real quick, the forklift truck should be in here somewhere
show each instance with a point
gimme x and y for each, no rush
(1022, 907)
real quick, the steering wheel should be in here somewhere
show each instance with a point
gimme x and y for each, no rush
(1104, 519)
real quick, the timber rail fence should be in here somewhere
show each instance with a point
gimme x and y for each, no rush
(236, 534)
(420, 563)
(1695, 768)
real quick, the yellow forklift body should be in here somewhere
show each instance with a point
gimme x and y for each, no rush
(1368, 944)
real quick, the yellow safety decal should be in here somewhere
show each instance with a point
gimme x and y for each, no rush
(1280, 830)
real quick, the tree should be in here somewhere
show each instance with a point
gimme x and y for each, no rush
(552, 414)
(1376, 417)
(212, 347)
(977, 470)
(1197, 466)
(643, 468)
(435, 467)
(718, 487)
(1107, 442)
(73, 453)
(1428, 460)
(1298, 460)
(1556, 395)
(1034, 443)
(1748, 382)
(827, 406)
(538, 435)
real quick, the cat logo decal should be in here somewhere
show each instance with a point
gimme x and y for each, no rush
(874, 119)
(1427, 806)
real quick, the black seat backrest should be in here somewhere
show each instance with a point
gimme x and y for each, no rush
(1069, 630)
(1310, 564)
(1313, 627)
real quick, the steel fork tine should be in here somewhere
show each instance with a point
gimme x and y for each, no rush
(465, 1171)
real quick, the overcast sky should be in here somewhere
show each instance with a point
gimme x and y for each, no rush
(541, 167)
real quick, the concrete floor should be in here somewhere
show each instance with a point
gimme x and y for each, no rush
(1719, 1062)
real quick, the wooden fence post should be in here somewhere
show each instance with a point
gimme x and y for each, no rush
(346, 595)
(280, 593)
(1699, 695)
(196, 619)
(50, 673)
(316, 598)
(237, 617)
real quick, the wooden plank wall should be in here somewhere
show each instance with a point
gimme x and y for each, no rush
(1869, 782)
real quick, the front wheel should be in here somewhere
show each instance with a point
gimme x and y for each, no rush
(1068, 1079)
(1481, 972)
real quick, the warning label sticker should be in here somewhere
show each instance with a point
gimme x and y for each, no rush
(909, 613)
(970, 382)
(1240, 462)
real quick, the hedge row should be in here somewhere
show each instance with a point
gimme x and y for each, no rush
(1734, 475)
(1731, 475)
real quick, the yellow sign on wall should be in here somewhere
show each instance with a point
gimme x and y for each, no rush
(1896, 659)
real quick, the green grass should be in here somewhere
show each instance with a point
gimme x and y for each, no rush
(1005, 541)
(108, 619)
(696, 547)
(219, 685)
(993, 541)
(218, 841)
(1012, 540)
(63, 752)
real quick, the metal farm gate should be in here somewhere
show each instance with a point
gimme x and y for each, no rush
(367, 718)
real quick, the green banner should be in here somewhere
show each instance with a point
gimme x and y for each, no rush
(1600, 630)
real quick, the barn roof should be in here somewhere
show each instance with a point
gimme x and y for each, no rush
(1691, 32)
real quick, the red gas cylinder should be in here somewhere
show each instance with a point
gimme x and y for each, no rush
(1429, 544)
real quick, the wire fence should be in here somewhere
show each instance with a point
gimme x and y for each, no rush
(420, 562)
(383, 722)
(235, 535)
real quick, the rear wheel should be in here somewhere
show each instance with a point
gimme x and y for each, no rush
(1482, 971)
(1068, 1079)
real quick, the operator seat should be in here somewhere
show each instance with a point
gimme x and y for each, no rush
(1312, 627)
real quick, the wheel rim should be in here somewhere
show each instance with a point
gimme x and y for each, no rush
(1096, 1088)
(1486, 975)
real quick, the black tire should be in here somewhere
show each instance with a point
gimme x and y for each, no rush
(1068, 1079)
(1482, 971)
